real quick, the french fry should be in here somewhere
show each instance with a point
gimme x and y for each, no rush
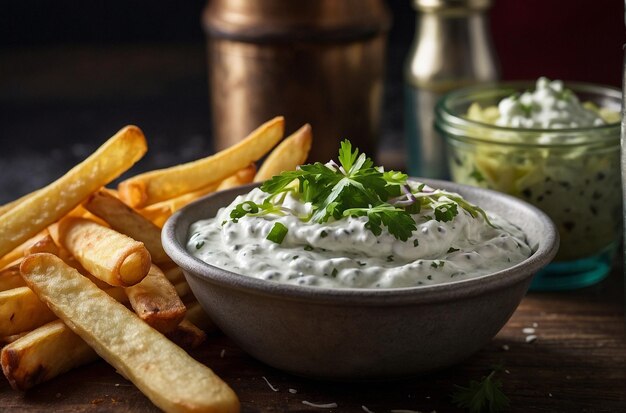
(187, 335)
(106, 254)
(127, 221)
(18, 252)
(174, 275)
(10, 339)
(43, 244)
(155, 301)
(4, 208)
(159, 185)
(182, 289)
(159, 212)
(54, 201)
(242, 177)
(43, 354)
(164, 372)
(21, 310)
(10, 277)
(197, 315)
(291, 152)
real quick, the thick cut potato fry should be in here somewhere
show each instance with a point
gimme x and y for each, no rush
(4, 208)
(127, 221)
(21, 310)
(187, 335)
(155, 301)
(197, 315)
(54, 201)
(164, 372)
(159, 212)
(174, 275)
(159, 185)
(291, 152)
(10, 277)
(44, 244)
(19, 251)
(42, 354)
(10, 339)
(105, 253)
(182, 289)
(242, 177)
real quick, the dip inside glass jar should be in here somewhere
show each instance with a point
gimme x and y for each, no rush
(571, 173)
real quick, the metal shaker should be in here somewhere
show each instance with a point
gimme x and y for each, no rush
(315, 61)
(452, 48)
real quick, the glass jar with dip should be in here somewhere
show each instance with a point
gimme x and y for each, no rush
(555, 147)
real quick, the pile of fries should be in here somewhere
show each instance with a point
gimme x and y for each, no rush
(83, 273)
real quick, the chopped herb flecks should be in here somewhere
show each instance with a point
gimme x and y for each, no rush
(277, 233)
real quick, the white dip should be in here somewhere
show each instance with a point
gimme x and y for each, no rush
(549, 106)
(343, 253)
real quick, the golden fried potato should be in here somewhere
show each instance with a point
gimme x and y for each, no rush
(105, 253)
(43, 354)
(54, 201)
(127, 221)
(291, 152)
(151, 187)
(164, 372)
(21, 310)
(155, 301)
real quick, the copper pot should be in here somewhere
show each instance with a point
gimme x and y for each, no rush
(315, 61)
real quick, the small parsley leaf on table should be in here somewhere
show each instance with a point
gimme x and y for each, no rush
(482, 396)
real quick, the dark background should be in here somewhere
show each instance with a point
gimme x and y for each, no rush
(72, 73)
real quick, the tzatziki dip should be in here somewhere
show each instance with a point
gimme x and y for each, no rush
(352, 225)
(549, 106)
(554, 146)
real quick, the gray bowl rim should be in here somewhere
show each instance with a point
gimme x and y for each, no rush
(546, 250)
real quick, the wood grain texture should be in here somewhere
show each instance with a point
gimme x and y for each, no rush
(577, 364)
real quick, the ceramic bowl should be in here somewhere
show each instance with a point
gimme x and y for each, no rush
(363, 334)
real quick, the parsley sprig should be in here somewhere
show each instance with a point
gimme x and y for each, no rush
(482, 396)
(355, 187)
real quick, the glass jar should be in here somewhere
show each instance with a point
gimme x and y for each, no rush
(571, 174)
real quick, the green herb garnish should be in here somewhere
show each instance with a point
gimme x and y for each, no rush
(481, 396)
(446, 212)
(277, 233)
(356, 188)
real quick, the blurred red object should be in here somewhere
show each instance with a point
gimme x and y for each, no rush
(571, 40)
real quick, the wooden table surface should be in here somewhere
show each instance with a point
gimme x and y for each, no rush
(576, 364)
